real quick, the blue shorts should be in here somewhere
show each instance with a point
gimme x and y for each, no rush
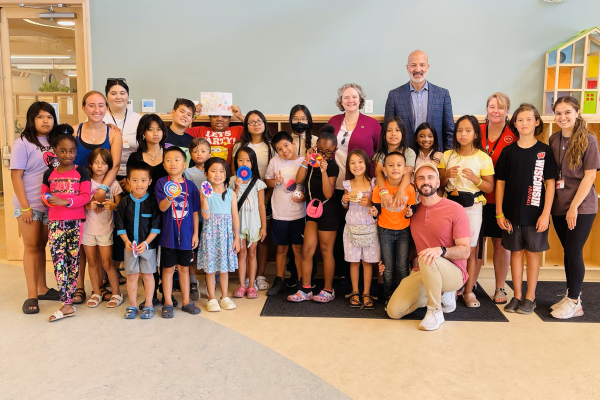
(37, 216)
(288, 232)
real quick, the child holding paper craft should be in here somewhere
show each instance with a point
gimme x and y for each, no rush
(466, 173)
(200, 152)
(360, 235)
(220, 240)
(179, 235)
(69, 185)
(183, 115)
(138, 220)
(394, 227)
(220, 135)
(321, 227)
(526, 172)
(393, 138)
(253, 218)
(97, 236)
(288, 211)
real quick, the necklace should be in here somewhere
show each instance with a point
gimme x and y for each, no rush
(564, 144)
(153, 158)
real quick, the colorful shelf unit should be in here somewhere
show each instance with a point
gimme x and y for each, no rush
(572, 69)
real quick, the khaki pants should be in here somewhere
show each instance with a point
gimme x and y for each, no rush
(424, 288)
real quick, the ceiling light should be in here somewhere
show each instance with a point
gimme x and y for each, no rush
(66, 23)
(43, 66)
(47, 57)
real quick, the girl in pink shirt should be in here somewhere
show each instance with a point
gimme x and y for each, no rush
(66, 189)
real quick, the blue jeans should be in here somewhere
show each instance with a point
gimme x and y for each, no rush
(394, 245)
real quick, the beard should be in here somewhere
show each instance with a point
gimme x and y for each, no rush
(417, 79)
(428, 193)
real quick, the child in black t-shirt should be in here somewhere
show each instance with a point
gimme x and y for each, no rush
(183, 115)
(526, 171)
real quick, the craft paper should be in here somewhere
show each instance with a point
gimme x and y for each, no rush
(216, 103)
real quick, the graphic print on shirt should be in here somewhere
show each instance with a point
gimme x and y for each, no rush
(535, 192)
(177, 210)
(218, 143)
(49, 157)
(62, 185)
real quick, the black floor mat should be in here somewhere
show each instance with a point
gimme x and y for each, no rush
(278, 306)
(550, 292)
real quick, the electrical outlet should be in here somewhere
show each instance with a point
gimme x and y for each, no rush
(368, 106)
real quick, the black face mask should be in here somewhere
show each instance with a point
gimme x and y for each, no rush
(300, 127)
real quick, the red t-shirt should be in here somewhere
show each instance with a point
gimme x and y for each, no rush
(439, 225)
(221, 143)
(506, 139)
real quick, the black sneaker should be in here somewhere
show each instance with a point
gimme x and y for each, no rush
(277, 287)
(194, 293)
(512, 305)
(526, 307)
(155, 302)
(175, 302)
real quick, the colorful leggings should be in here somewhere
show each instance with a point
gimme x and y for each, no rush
(65, 238)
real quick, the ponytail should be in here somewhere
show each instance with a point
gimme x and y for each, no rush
(579, 142)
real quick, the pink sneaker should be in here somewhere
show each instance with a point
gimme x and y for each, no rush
(252, 293)
(240, 292)
(300, 296)
(324, 297)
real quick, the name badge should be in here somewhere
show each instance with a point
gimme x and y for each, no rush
(125, 145)
(560, 184)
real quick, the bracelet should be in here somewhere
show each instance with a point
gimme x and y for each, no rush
(204, 211)
(26, 209)
(344, 204)
(145, 244)
(303, 166)
(480, 181)
(383, 191)
(279, 184)
(70, 203)
(104, 187)
(499, 216)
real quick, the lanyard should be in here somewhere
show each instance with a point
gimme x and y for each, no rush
(487, 136)
(560, 164)
(124, 121)
(177, 220)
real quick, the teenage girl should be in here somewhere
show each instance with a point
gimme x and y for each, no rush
(220, 240)
(97, 237)
(358, 168)
(466, 172)
(320, 230)
(253, 219)
(69, 188)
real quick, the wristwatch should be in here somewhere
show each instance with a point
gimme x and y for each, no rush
(443, 251)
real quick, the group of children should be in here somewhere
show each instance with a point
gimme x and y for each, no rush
(218, 229)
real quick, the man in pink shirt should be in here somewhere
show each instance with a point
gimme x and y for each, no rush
(440, 229)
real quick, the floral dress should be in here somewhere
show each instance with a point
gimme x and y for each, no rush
(359, 215)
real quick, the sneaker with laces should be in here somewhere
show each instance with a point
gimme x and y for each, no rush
(213, 305)
(448, 302)
(227, 304)
(300, 296)
(277, 287)
(557, 305)
(568, 309)
(194, 293)
(433, 319)
(324, 297)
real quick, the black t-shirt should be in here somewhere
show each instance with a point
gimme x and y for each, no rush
(524, 171)
(316, 182)
(158, 171)
(181, 141)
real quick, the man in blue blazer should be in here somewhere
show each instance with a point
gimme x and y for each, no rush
(419, 101)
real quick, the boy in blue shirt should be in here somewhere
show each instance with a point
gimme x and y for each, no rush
(179, 235)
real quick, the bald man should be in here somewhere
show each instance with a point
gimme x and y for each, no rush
(420, 101)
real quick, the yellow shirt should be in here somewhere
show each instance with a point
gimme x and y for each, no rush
(480, 163)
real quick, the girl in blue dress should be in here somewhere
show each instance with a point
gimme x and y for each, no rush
(220, 241)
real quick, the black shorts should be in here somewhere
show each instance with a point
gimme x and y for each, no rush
(525, 237)
(200, 224)
(284, 233)
(172, 257)
(489, 224)
(328, 221)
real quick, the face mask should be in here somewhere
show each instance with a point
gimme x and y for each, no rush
(300, 127)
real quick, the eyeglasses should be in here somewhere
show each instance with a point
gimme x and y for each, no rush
(255, 123)
(296, 120)
(344, 138)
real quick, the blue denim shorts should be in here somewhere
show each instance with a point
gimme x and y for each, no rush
(37, 216)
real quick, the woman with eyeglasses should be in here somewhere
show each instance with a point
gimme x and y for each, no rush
(354, 131)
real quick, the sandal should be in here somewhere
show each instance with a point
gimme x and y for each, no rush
(167, 312)
(115, 301)
(94, 301)
(470, 300)
(354, 300)
(51, 294)
(191, 308)
(147, 313)
(59, 315)
(131, 312)
(498, 295)
(31, 303)
(367, 305)
(79, 296)
(122, 279)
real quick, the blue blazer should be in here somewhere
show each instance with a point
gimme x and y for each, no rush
(439, 112)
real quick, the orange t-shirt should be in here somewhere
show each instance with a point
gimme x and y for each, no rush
(507, 138)
(394, 219)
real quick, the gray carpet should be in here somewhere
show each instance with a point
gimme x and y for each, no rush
(550, 292)
(278, 306)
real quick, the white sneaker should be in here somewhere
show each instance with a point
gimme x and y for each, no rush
(227, 304)
(247, 282)
(568, 309)
(448, 302)
(213, 305)
(559, 304)
(433, 319)
(262, 283)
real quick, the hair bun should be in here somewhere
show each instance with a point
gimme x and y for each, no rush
(328, 129)
(64, 129)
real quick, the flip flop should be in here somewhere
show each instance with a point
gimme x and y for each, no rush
(29, 303)
(168, 312)
(52, 294)
(59, 315)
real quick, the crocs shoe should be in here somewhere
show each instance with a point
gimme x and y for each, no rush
(300, 296)
(247, 283)
(262, 283)
(240, 292)
(227, 304)
(213, 305)
(252, 293)
(324, 297)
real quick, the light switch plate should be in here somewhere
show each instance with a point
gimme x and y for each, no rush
(369, 106)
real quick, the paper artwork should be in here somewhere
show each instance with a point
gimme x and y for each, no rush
(216, 103)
